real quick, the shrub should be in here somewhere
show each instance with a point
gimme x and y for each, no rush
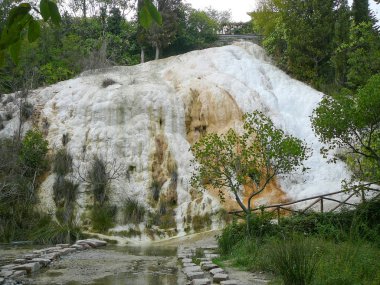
(107, 82)
(64, 191)
(48, 231)
(201, 222)
(295, 260)
(103, 218)
(155, 188)
(26, 110)
(133, 211)
(33, 150)
(62, 162)
(98, 179)
(65, 139)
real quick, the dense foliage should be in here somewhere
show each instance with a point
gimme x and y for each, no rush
(312, 248)
(321, 42)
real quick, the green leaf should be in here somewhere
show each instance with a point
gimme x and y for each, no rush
(15, 51)
(45, 10)
(17, 13)
(34, 30)
(145, 18)
(54, 13)
(153, 12)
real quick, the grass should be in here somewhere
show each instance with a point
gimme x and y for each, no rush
(133, 211)
(103, 218)
(62, 162)
(201, 222)
(316, 249)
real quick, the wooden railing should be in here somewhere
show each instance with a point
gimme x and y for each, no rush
(316, 199)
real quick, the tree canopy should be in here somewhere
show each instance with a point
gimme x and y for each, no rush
(253, 158)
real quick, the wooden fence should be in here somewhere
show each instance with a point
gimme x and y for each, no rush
(315, 201)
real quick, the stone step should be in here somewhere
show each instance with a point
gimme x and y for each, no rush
(219, 277)
(230, 282)
(216, 271)
(29, 267)
(195, 275)
(203, 281)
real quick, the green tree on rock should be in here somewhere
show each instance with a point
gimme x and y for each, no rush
(254, 158)
(350, 124)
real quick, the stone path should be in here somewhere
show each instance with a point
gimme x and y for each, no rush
(32, 262)
(201, 270)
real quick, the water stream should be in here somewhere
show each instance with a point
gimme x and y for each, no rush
(113, 265)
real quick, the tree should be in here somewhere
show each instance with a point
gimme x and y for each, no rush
(360, 11)
(23, 17)
(350, 124)
(163, 35)
(254, 157)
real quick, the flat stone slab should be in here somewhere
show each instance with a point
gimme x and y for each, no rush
(52, 256)
(62, 245)
(19, 273)
(203, 281)
(8, 267)
(97, 242)
(192, 268)
(31, 255)
(219, 277)
(29, 267)
(205, 259)
(65, 251)
(185, 260)
(20, 261)
(195, 275)
(211, 246)
(230, 282)
(212, 255)
(42, 261)
(216, 271)
(209, 266)
(6, 273)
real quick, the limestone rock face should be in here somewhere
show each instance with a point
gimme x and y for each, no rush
(151, 115)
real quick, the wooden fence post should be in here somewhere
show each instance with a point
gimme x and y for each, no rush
(321, 204)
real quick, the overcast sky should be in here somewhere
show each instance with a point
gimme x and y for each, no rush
(239, 8)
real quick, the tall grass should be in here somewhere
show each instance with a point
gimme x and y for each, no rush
(295, 260)
(314, 249)
(103, 218)
(133, 211)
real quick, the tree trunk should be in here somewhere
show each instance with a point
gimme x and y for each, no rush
(84, 8)
(142, 55)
